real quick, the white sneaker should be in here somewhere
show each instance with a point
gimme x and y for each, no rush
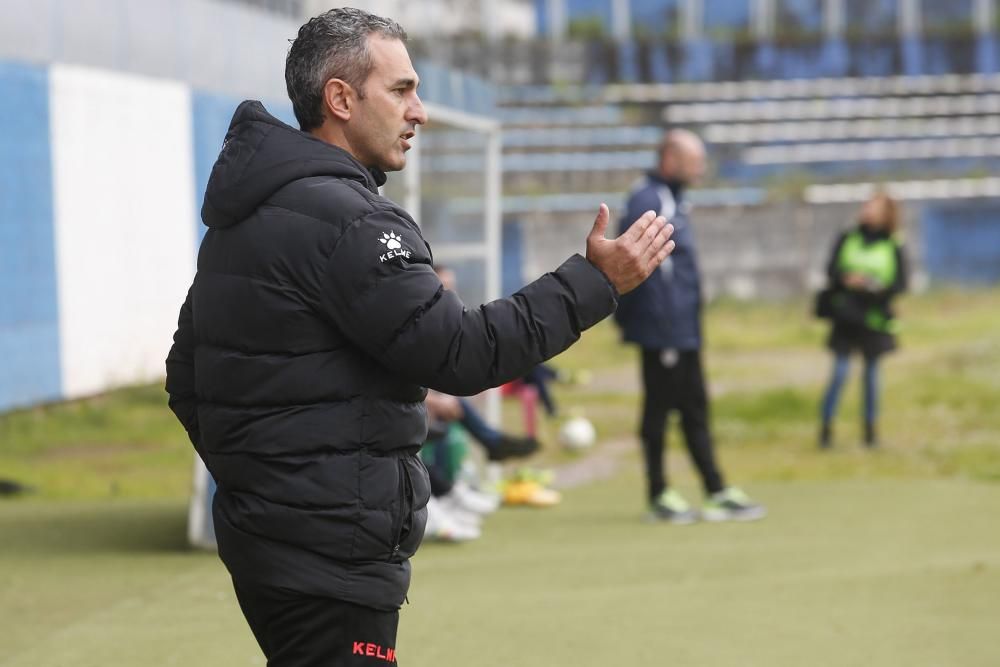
(454, 508)
(475, 501)
(444, 527)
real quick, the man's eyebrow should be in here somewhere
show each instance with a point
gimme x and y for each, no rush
(408, 82)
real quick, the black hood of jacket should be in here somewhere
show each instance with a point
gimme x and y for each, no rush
(261, 155)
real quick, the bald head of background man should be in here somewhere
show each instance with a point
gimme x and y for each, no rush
(682, 157)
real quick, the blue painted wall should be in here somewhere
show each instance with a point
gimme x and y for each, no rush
(29, 326)
(962, 241)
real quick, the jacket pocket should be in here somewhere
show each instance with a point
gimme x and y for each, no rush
(419, 493)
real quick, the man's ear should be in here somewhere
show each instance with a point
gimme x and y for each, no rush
(338, 98)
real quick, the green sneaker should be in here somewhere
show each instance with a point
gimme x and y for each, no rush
(671, 508)
(732, 504)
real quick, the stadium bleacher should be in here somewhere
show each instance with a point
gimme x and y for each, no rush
(945, 126)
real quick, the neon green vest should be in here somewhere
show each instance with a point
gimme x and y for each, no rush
(876, 261)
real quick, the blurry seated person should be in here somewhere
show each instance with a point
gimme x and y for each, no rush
(539, 378)
(455, 511)
(444, 410)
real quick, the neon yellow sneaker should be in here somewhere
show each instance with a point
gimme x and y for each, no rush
(732, 504)
(529, 493)
(671, 507)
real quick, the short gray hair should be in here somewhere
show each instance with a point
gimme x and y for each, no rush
(333, 45)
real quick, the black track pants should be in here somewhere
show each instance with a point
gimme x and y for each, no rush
(300, 631)
(679, 387)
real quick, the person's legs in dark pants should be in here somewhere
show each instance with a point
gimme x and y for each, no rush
(871, 400)
(841, 363)
(476, 425)
(693, 405)
(303, 631)
(498, 445)
(540, 376)
(656, 403)
(722, 503)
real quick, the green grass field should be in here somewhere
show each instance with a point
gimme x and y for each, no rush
(876, 558)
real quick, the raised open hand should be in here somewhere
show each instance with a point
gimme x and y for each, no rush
(629, 259)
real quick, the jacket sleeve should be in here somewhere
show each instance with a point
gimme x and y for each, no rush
(180, 373)
(392, 305)
(833, 272)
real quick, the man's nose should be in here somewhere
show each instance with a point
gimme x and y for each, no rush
(417, 112)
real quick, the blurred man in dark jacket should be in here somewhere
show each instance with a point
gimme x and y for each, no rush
(312, 329)
(663, 317)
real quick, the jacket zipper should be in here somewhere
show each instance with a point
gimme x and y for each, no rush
(397, 529)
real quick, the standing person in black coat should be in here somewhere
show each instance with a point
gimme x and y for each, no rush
(313, 326)
(866, 270)
(663, 317)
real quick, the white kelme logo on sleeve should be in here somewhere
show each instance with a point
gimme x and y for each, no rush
(394, 244)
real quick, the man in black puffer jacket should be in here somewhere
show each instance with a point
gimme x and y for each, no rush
(312, 328)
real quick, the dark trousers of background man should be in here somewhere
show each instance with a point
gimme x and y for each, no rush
(678, 386)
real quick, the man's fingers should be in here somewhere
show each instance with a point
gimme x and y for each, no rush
(658, 241)
(639, 227)
(661, 255)
(601, 222)
(654, 228)
(663, 247)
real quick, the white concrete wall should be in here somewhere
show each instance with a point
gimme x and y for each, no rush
(124, 222)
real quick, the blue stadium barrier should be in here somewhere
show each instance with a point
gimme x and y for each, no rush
(659, 64)
(767, 58)
(986, 54)
(29, 303)
(835, 58)
(628, 62)
(709, 60)
(913, 56)
(698, 62)
(962, 241)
